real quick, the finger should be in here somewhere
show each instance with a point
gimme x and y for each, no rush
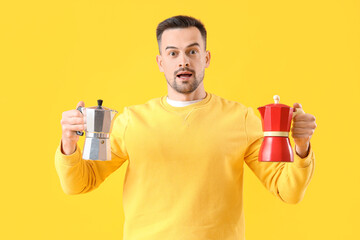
(72, 121)
(72, 113)
(70, 134)
(70, 127)
(304, 117)
(303, 124)
(302, 130)
(299, 132)
(303, 137)
(297, 105)
(80, 104)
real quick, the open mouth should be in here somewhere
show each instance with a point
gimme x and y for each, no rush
(184, 75)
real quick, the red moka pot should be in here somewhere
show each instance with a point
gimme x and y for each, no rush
(276, 122)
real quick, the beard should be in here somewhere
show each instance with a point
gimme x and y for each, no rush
(186, 87)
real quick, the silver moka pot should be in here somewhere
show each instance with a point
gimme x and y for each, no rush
(99, 121)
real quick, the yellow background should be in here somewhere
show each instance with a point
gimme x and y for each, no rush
(56, 53)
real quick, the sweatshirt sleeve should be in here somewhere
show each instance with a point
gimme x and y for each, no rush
(78, 175)
(287, 181)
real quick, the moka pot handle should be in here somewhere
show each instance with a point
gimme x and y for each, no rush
(79, 132)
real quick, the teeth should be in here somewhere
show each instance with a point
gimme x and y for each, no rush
(182, 76)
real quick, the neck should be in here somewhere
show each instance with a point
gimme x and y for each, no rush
(199, 93)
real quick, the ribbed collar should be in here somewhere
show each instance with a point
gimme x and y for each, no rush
(181, 103)
(201, 103)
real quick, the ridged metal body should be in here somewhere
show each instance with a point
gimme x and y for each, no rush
(98, 128)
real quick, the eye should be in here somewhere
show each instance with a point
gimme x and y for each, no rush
(172, 53)
(193, 51)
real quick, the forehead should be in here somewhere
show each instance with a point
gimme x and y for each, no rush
(181, 37)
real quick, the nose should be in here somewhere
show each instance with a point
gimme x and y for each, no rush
(184, 65)
(184, 62)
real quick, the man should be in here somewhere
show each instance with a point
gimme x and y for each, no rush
(186, 151)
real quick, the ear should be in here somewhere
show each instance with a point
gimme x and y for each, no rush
(159, 62)
(207, 59)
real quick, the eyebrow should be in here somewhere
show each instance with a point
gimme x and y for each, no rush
(193, 44)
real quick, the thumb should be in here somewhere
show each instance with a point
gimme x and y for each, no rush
(80, 104)
(297, 105)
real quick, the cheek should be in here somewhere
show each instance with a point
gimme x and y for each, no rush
(170, 68)
(203, 60)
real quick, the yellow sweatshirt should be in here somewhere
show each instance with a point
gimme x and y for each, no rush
(184, 179)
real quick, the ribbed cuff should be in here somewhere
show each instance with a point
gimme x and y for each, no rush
(71, 159)
(306, 161)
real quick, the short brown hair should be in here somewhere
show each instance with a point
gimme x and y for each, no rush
(179, 21)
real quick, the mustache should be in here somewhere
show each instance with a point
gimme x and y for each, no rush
(184, 69)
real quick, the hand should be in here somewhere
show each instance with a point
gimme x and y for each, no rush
(303, 128)
(71, 122)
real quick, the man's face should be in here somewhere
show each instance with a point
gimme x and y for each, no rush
(183, 58)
